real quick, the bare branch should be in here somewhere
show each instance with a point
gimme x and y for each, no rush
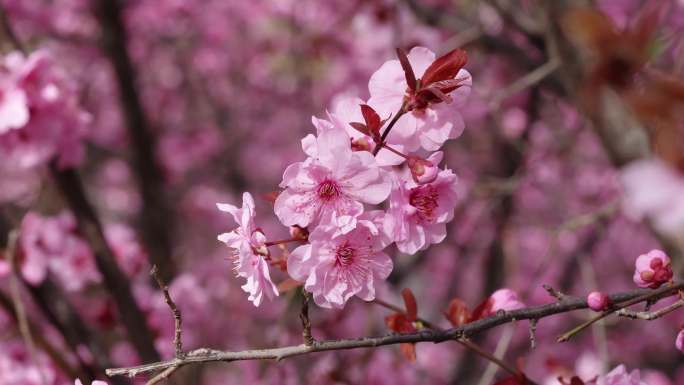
(650, 316)
(568, 304)
(9, 33)
(89, 226)
(178, 322)
(156, 215)
(655, 294)
(304, 317)
(163, 375)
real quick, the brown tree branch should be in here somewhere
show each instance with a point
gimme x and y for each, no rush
(565, 305)
(115, 280)
(156, 216)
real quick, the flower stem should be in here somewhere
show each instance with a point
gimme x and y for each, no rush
(282, 241)
(402, 111)
(394, 150)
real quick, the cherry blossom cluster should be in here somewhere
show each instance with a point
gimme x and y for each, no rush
(365, 154)
(40, 115)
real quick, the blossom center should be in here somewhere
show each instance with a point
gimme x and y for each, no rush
(328, 190)
(344, 255)
(424, 199)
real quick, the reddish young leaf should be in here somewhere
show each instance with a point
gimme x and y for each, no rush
(519, 379)
(399, 323)
(360, 127)
(457, 313)
(373, 121)
(408, 70)
(411, 305)
(482, 310)
(445, 67)
(409, 351)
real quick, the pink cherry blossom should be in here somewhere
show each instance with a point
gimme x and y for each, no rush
(598, 301)
(14, 111)
(679, 341)
(505, 299)
(331, 186)
(335, 266)
(619, 376)
(418, 213)
(249, 251)
(652, 269)
(427, 127)
(32, 265)
(41, 118)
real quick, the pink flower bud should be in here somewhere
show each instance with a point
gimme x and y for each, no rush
(299, 233)
(598, 301)
(679, 342)
(652, 269)
(422, 171)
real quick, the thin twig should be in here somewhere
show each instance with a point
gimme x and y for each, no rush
(9, 31)
(163, 375)
(655, 294)
(528, 80)
(20, 311)
(304, 317)
(178, 322)
(56, 354)
(499, 352)
(651, 315)
(554, 293)
(205, 355)
(383, 138)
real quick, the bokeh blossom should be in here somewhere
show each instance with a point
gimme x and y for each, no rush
(249, 251)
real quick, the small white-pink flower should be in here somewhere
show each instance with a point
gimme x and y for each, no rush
(418, 214)
(619, 376)
(249, 251)
(14, 112)
(505, 299)
(331, 185)
(337, 266)
(679, 341)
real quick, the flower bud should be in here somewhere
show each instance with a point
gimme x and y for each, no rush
(423, 171)
(361, 144)
(598, 301)
(505, 299)
(299, 233)
(652, 269)
(679, 342)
